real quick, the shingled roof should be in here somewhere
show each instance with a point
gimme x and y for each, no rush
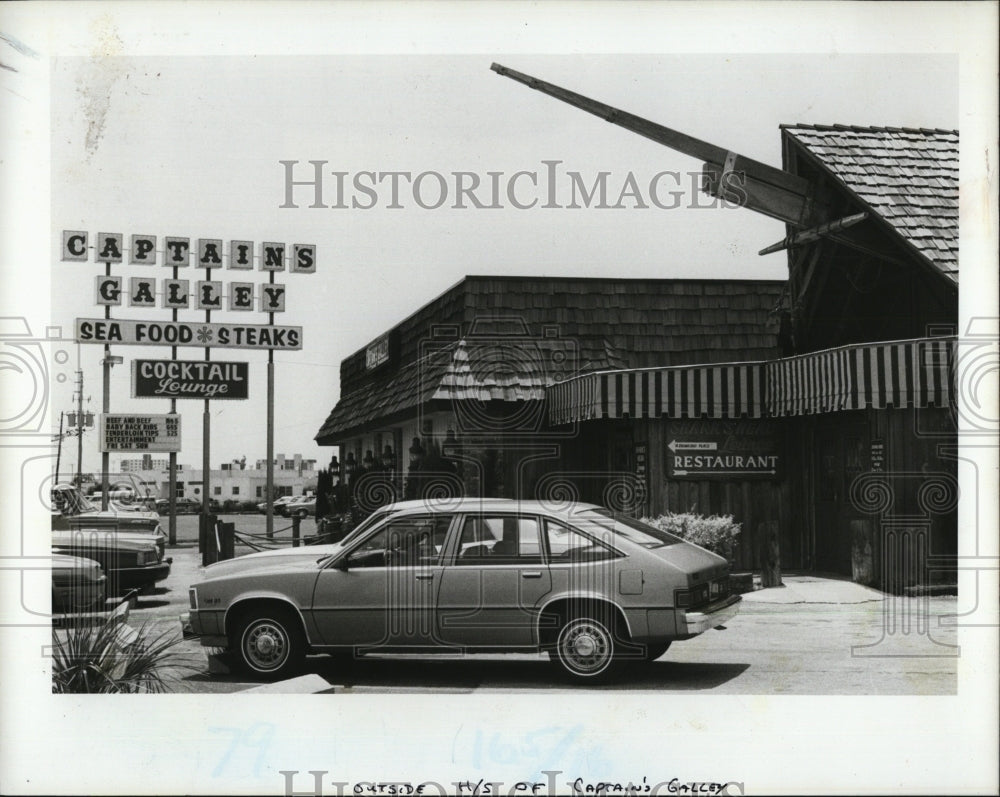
(908, 176)
(508, 338)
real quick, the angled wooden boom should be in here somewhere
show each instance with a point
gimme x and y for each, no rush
(733, 177)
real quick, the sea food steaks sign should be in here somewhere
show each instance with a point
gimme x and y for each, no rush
(722, 449)
(140, 432)
(188, 379)
(180, 333)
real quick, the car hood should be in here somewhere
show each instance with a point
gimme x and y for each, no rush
(281, 559)
(699, 565)
(119, 510)
(64, 566)
(123, 540)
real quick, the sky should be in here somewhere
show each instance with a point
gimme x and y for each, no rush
(192, 146)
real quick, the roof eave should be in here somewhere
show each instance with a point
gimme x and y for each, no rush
(950, 281)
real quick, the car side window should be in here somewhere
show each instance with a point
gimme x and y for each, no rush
(498, 539)
(569, 545)
(409, 542)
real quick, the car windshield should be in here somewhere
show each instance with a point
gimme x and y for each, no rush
(604, 520)
(71, 501)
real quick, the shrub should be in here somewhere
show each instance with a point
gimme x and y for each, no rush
(93, 660)
(716, 533)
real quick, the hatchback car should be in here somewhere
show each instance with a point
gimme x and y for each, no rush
(592, 588)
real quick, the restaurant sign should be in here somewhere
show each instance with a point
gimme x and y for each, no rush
(182, 333)
(188, 379)
(148, 433)
(746, 449)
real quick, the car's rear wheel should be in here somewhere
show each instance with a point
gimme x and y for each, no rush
(269, 642)
(586, 649)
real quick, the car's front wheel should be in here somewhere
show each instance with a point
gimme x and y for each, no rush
(269, 643)
(586, 649)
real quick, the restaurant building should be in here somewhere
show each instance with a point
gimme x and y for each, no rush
(818, 411)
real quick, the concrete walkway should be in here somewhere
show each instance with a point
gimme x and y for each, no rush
(814, 589)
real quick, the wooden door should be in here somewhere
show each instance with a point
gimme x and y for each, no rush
(839, 459)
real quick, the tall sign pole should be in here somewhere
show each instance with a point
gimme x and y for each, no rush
(106, 403)
(79, 426)
(206, 434)
(172, 494)
(270, 428)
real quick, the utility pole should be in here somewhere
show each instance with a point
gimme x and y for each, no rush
(62, 415)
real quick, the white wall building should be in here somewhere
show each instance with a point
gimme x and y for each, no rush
(234, 482)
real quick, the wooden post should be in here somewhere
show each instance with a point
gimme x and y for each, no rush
(770, 553)
(296, 522)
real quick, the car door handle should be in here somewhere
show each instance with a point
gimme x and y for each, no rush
(531, 574)
(424, 576)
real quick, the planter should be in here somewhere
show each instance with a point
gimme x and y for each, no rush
(741, 582)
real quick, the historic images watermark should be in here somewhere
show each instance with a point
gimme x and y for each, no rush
(546, 186)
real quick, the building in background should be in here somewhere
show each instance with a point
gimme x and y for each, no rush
(143, 463)
(293, 475)
(819, 412)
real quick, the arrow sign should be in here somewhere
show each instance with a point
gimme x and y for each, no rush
(725, 472)
(690, 445)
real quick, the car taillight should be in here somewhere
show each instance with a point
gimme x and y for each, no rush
(694, 596)
(193, 598)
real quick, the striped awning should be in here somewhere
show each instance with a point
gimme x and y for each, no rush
(907, 373)
(912, 373)
(731, 390)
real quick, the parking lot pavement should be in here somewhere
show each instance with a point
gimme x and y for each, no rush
(814, 636)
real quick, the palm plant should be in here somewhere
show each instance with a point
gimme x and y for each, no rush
(99, 659)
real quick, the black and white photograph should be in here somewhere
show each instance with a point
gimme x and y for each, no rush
(480, 399)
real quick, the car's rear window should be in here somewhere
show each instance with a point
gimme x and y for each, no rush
(598, 521)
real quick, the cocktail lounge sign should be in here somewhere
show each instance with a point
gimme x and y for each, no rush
(190, 379)
(178, 379)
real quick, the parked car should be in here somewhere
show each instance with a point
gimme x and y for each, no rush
(303, 506)
(78, 584)
(592, 588)
(279, 504)
(130, 560)
(78, 512)
(185, 506)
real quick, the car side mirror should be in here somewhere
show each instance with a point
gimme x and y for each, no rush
(342, 564)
